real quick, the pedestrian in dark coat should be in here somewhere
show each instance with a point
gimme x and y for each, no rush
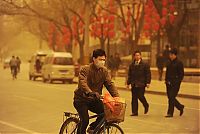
(166, 54)
(174, 76)
(38, 65)
(112, 67)
(18, 64)
(139, 77)
(160, 63)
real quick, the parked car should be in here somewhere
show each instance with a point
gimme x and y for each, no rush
(58, 66)
(33, 72)
(6, 63)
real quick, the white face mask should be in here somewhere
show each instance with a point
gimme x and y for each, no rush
(100, 64)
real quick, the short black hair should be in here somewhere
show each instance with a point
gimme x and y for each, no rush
(98, 52)
(173, 51)
(137, 51)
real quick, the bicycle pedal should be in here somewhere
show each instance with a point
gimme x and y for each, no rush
(90, 131)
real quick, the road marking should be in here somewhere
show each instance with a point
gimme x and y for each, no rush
(26, 98)
(17, 127)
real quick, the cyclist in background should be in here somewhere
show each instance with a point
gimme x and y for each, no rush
(92, 77)
(18, 64)
(13, 67)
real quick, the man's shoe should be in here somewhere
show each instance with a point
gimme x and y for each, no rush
(90, 130)
(169, 116)
(181, 111)
(146, 109)
(134, 114)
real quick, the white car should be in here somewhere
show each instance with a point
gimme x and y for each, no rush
(58, 66)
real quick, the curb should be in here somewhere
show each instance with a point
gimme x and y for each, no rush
(164, 94)
(196, 97)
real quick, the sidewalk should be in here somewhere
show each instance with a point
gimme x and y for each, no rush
(187, 90)
(190, 74)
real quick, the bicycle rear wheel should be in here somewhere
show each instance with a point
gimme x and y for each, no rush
(69, 126)
(111, 128)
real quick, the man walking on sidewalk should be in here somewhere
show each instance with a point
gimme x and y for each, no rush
(139, 76)
(174, 76)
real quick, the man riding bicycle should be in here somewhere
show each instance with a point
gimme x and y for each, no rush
(92, 77)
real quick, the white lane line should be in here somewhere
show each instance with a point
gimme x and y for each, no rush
(18, 127)
(26, 98)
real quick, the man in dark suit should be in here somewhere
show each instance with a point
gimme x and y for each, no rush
(139, 76)
(174, 76)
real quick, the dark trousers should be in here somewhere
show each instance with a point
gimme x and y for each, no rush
(13, 68)
(82, 109)
(160, 72)
(138, 93)
(18, 68)
(172, 92)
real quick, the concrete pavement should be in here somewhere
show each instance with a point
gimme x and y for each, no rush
(187, 90)
(190, 74)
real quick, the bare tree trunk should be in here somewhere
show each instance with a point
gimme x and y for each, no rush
(108, 48)
(102, 43)
(173, 30)
(81, 46)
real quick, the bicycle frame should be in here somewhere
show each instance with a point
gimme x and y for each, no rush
(73, 115)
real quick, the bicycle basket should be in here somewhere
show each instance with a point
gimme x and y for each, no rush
(114, 111)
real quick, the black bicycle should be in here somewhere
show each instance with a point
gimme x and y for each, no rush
(108, 125)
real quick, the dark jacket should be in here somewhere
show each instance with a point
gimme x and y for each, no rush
(160, 62)
(139, 75)
(174, 71)
(92, 79)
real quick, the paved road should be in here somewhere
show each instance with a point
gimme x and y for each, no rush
(37, 107)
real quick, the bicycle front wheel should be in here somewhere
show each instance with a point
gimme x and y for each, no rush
(69, 126)
(111, 128)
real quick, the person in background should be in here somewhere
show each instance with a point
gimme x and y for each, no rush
(160, 63)
(18, 64)
(13, 66)
(38, 64)
(166, 54)
(117, 61)
(139, 77)
(173, 78)
(112, 66)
